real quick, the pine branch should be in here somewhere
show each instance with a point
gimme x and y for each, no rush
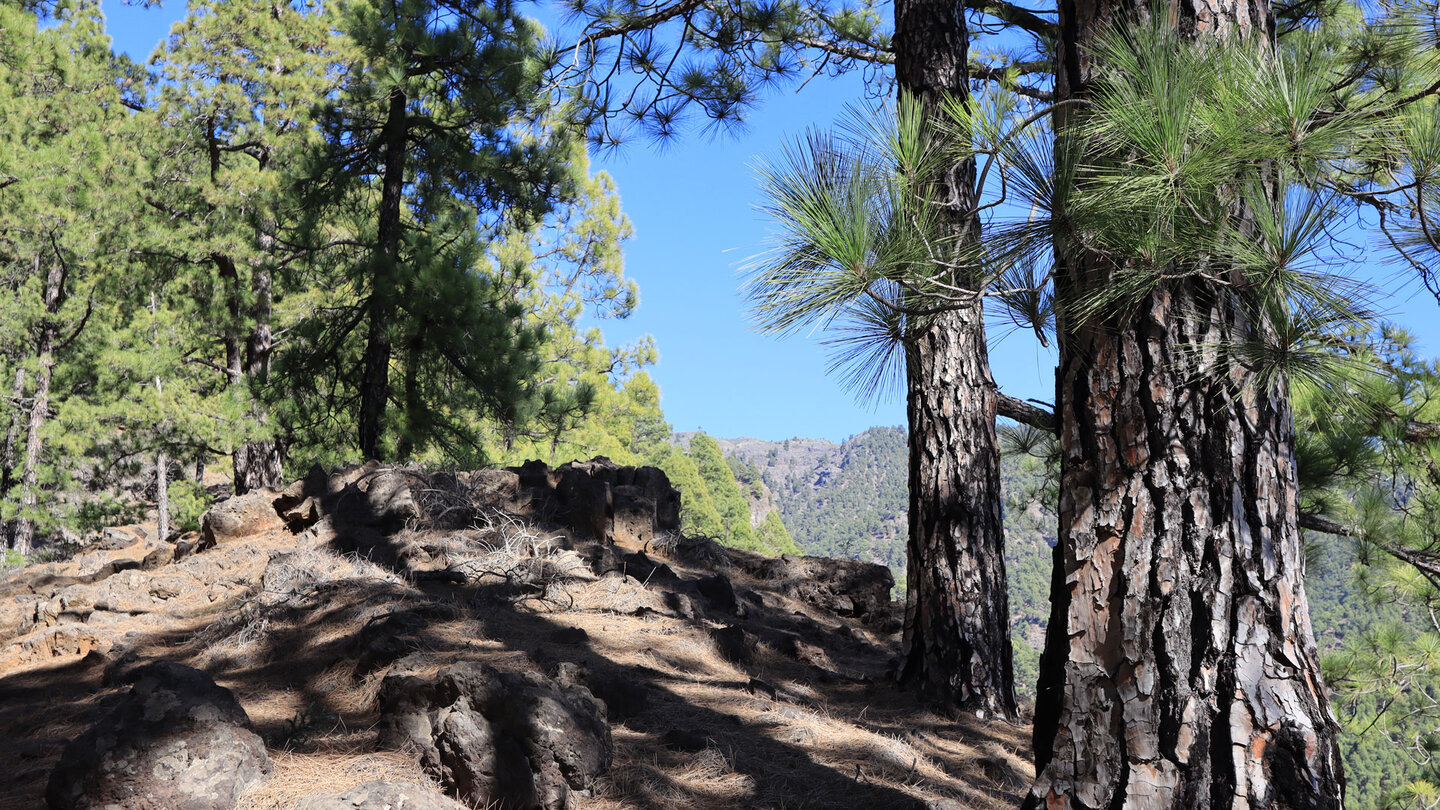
(1324, 525)
(878, 56)
(1011, 14)
(643, 22)
(1000, 74)
(1024, 412)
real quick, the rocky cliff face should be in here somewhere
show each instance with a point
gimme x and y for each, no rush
(522, 638)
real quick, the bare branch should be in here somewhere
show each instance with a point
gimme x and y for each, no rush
(1014, 15)
(1024, 412)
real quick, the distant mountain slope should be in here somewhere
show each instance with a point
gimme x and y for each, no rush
(837, 500)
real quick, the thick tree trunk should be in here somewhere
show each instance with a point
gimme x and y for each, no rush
(957, 617)
(234, 369)
(375, 374)
(23, 539)
(957, 611)
(1180, 668)
(414, 408)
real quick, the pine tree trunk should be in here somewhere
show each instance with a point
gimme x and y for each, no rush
(8, 454)
(234, 370)
(23, 539)
(957, 610)
(162, 495)
(375, 374)
(9, 461)
(1180, 667)
(414, 408)
(259, 464)
(957, 617)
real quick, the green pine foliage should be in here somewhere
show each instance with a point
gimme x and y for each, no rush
(67, 200)
(725, 491)
(698, 515)
(199, 254)
(774, 537)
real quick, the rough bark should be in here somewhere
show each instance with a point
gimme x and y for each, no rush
(1180, 667)
(414, 406)
(957, 617)
(1024, 413)
(53, 297)
(957, 610)
(375, 373)
(234, 369)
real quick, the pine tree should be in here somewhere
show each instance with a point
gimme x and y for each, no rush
(234, 92)
(1205, 160)
(729, 500)
(428, 135)
(956, 647)
(773, 537)
(63, 183)
(698, 515)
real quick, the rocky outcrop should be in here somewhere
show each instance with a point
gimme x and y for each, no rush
(607, 502)
(498, 739)
(849, 588)
(380, 795)
(177, 741)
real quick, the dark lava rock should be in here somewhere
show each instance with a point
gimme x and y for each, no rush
(498, 739)
(734, 644)
(718, 591)
(177, 741)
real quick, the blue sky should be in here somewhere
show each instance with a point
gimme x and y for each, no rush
(693, 207)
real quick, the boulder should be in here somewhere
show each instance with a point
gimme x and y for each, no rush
(388, 500)
(655, 486)
(719, 593)
(177, 741)
(498, 488)
(498, 739)
(118, 537)
(646, 570)
(734, 644)
(535, 474)
(240, 517)
(381, 795)
(624, 697)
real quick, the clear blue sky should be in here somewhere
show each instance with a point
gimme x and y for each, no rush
(692, 203)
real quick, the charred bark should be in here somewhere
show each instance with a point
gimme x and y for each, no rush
(375, 373)
(957, 618)
(1180, 667)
